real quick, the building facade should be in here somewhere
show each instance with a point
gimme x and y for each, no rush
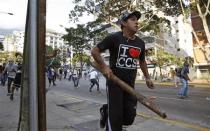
(15, 42)
(201, 50)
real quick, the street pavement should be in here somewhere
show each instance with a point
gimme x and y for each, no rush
(67, 112)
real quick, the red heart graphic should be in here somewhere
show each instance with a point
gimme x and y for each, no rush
(134, 52)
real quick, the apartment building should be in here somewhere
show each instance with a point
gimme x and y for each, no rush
(54, 39)
(15, 42)
(201, 51)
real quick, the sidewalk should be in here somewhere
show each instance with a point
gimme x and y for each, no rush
(9, 110)
(69, 113)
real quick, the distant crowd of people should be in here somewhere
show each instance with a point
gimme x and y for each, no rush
(11, 73)
(73, 75)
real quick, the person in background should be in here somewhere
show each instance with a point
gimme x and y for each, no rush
(50, 76)
(1, 73)
(183, 93)
(60, 70)
(93, 75)
(54, 75)
(75, 78)
(126, 50)
(65, 72)
(17, 82)
(10, 69)
(70, 75)
(177, 76)
(4, 75)
(85, 75)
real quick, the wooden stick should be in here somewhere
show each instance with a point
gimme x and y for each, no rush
(124, 86)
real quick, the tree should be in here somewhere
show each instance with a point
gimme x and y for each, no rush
(77, 38)
(4, 57)
(82, 58)
(203, 7)
(54, 59)
(95, 31)
(186, 7)
(163, 59)
(109, 12)
(83, 37)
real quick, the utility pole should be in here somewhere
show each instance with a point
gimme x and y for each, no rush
(41, 64)
(33, 100)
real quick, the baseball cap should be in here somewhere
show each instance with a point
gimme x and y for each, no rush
(127, 14)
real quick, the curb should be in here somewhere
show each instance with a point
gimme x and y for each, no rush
(174, 122)
(197, 85)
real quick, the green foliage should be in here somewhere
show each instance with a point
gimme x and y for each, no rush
(77, 38)
(163, 59)
(4, 57)
(49, 49)
(169, 7)
(154, 24)
(80, 58)
(174, 8)
(84, 36)
(110, 11)
(95, 32)
(55, 62)
(178, 61)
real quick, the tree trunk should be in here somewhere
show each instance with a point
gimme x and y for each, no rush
(206, 28)
(204, 21)
(193, 31)
(161, 75)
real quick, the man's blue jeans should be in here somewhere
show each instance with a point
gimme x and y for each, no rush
(184, 89)
(3, 79)
(76, 81)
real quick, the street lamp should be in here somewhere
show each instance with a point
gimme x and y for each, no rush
(8, 13)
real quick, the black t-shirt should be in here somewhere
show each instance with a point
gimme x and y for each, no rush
(124, 55)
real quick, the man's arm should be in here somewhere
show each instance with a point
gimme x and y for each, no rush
(143, 66)
(99, 60)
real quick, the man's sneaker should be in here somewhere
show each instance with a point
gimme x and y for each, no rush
(104, 115)
(124, 128)
(8, 94)
(11, 97)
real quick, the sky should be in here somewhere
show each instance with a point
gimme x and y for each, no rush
(57, 12)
